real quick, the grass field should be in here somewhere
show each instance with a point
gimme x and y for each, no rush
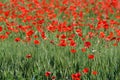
(59, 40)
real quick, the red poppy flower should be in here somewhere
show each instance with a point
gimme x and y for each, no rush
(83, 49)
(17, 39)
(91, 56)
(73, 43)
(76, 79)
(36, 36)
(87, 44)
(6, 13)
(102, 35)
(51, 28)
(43, 36)
(85, 70)
(3, 37)
(76, 76)
(1, 28)
(29, 33)
(28, 56)
(83, 39)
(47, 73)
(79, 32)
(110, 36)
(1, 4)
(115, 44)
(63, 36)
(94, 72)
(73, 76)
(63, 43)
(7, 33)
(118, 32)
(36, 42)
(91, 34)
(73, 51)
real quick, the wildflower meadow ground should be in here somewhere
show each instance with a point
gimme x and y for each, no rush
(59, 39)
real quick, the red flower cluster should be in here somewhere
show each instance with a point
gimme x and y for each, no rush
(63, 23)
(76, 76)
